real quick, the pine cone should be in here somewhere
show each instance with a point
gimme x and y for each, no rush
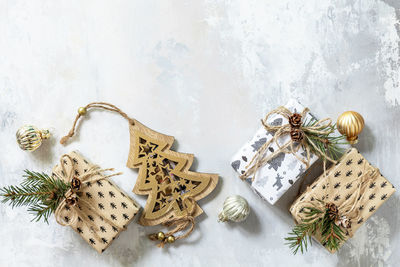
(295, 120)
(71, 201)
(332, 211)
(76, 183)
(52, 196)
(343, 221)
(296, 135)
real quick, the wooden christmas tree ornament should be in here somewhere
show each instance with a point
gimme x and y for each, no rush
(164, 175)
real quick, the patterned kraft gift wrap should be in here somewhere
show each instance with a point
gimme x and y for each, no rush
(109, 210)
(341, 184)
(279, 174)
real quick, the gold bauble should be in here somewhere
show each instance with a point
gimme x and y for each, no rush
(171, 239)
(30, 138)
(350, 123)
(160, 236)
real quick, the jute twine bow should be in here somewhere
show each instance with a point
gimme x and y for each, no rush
(290, 147)
(180, 224)
(72, 207)
(348, 208)
(102, 105)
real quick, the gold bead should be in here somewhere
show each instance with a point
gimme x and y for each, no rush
(171, 239)
(82, 111)
(160, 236)
(350, 123)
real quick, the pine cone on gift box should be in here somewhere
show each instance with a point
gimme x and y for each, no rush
(295, 120)
(343, 221)
(76, 183)
(332, 210)
(296, 135)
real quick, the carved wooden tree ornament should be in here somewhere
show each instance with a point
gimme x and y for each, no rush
(164, 175)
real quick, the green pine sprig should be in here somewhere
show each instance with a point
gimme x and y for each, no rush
(40, 192)
(328, 144)
(301, 235)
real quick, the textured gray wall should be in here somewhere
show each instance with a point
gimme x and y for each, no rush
(205, 72)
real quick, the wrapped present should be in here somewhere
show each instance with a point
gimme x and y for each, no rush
(282, 162)
(94, 206)
(350, 192)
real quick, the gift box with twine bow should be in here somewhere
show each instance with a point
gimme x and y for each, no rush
(94, 206)
(352, 190)
(270, 169)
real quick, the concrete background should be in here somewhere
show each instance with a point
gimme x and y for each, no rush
(204, 72)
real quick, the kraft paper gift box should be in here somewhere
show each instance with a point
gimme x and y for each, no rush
(279, 174)
(341, 184)
(109, 211)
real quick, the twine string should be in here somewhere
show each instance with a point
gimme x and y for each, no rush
(181, 224)
(100, 105)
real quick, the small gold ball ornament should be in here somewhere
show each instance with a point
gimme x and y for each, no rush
(160, 236)
(171, 239)
(82, 111)
(350, 123)
(30, 138)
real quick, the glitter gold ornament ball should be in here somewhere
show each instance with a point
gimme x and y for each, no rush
(350, 123)
(30, 138)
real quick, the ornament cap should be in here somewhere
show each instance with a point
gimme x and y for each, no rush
(45, 134)
(353, 140)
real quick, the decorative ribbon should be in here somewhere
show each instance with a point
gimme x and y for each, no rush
(72, 207)
(180, 223)
(348, 209)
(290, 147)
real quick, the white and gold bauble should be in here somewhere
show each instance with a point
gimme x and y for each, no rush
(30, 138)
(235, 209)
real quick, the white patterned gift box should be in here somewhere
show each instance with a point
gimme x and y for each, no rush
(279, 174)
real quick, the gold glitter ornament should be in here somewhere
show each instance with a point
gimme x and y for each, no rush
(350, 123)
(30, 138)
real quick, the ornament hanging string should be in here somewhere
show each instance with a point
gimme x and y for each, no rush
(71, 206)
(82, 111)
(180, 223)
(299, 138)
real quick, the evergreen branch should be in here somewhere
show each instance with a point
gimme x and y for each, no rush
(300, 237)
(328, 144)
(302, 233)
(331, 234)
(40, 192)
